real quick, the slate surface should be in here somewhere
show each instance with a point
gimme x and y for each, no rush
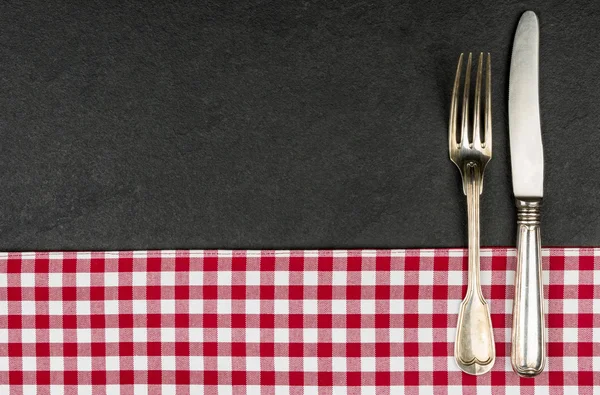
(277, 124)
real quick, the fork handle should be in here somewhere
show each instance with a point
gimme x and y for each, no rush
(474, 349)
(528, 354)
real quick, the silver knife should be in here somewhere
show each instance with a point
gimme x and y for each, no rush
(528, 353)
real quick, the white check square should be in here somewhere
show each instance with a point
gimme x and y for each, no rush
(310, 390)
(224, 335)
(195, 335)
(426, 390)
(282, 278)
(252, 306)
(397, 306)
(167, 335)
(425, 335)
(29, 364)
(455, 277)
(83, 279)
(368, 390)
(570, 364)
(55, 279)
(27, 280)
(111, 335)
(196, 278)
(280, 390)
(367, 335)
(140, 362)
(252, 278)
(28, 335)
(367, 364)
(196, 306)
(425, 306)
(486, 277)
(311, 364)
(338, 306)
(221, 390)
(396, 277)
(84, 364)
(223, 363)
(367, 306)
(84, 335)
(57, 364)
(55, 335)
(140, 389)
(338, 278)
(111, 279)
(139, 306)
(426, 364)
(310, 335)
(168, 362)
(282, 306)
(167, 306)
(83, 307)
(139, 279)
(253, 364)
(281, 335)
(570, 306)
(396, 335)
(426, 277)
(570, 335)
(368, 278)
(55, 390)
(140, 335)
(310, 306)
(571, 277)
(196, 362)
(252, 335)
(537, 390)
(113, 363)
(338, 364)
(338, 335)
(397, 364)
(453, 367)
(224, 278)
(28, 307)
(282, 364)
(111, 307)
(167, 278)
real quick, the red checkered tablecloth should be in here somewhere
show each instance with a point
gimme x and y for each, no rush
(280, 322)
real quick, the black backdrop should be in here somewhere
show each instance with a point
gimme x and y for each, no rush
(278, 124)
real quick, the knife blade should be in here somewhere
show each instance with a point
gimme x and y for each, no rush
(528, 351)
(527, 157)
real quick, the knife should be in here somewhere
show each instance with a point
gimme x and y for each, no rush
(528, 353)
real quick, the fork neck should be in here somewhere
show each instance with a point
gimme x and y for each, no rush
(472, 184)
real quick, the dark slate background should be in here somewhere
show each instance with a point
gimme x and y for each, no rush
(277, 124)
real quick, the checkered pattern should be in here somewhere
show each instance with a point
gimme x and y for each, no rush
(280, 322)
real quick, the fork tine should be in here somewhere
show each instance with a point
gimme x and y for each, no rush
(454, 105)
(477, 104)
(488, 104)
(464, 133)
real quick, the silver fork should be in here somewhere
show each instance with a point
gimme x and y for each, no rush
(474, 347)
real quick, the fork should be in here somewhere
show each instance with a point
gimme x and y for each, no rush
(474, 346)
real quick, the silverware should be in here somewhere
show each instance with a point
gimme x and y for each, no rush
(528, 354)
(474, 347)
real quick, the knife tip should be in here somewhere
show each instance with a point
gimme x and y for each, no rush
(529, 15)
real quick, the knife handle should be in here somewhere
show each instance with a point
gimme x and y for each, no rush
(528, 354)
